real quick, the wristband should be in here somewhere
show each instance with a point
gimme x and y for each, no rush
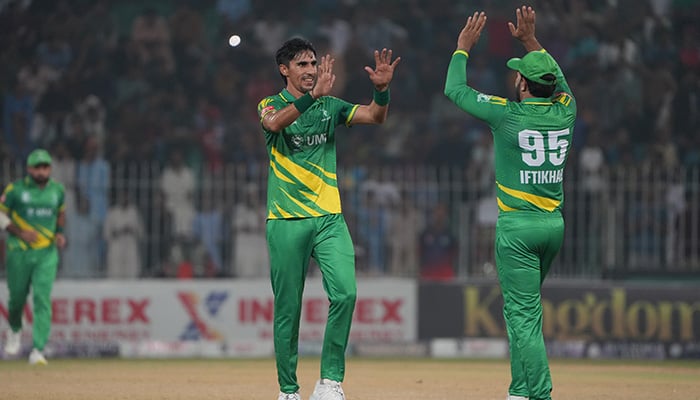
(381, 98)
(59, 229)
(304, 102)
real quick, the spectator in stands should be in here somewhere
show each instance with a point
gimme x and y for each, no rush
(81, 258)
(18, 112)
(151, 34)
(55, 53)
(93, 179)
(406, 224)
(123, 232)
(209, 230)
(438, 247)
(250, 258)
(178, 185)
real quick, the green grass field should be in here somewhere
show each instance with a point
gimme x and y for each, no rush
(366, 379)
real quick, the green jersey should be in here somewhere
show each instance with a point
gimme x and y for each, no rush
(33, 208)
(302, 178)
(532, 139)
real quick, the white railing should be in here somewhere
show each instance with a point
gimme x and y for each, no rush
(620, 222)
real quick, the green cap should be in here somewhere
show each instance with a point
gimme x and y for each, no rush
(534, 66)
(38, 156)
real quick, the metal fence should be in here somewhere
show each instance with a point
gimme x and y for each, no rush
(127, 221)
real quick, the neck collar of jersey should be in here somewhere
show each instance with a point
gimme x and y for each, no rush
(288, 97)
(537, 101)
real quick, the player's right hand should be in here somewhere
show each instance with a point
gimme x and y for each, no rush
(28, 236)
(324, 77)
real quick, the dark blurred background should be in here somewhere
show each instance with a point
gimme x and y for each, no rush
(150, 116)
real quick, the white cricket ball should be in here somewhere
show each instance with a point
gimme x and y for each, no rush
(234, 40)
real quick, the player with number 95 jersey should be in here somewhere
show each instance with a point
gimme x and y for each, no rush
(532, 137)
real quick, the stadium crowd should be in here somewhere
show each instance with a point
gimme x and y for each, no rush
(149, 112)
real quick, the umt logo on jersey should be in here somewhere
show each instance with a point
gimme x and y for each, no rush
(199, 312)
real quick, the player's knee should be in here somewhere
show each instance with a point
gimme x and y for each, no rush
(345, 298)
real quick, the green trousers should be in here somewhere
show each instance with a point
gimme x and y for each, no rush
(291, 243)
(526, 244)
(35, 269)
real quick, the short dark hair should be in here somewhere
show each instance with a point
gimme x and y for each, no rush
(540, 90)
(290, 49)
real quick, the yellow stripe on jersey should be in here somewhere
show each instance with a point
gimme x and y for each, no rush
(283, 213)
(4, 208)
(539, 103)
(541, 202)
(352, 114)
(500, 101)
(46, 232)
(42, 239)
(323, 171)
(328, 197)
(504, 207)
(302, 205)
(278, 173)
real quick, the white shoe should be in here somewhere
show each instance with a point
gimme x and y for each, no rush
(512, 397)
(327, 389)
(36, 358)
(289, 396)
(13, 342)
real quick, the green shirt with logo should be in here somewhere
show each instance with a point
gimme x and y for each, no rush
(532, 139)
(31, 207)
(302, 179)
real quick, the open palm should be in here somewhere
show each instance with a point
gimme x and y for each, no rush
(383, 71)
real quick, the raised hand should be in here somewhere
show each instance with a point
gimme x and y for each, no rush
(525, 20)
(324, 78)
(472, 31)
(383, 71)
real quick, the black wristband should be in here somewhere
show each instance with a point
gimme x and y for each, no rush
(304, 102)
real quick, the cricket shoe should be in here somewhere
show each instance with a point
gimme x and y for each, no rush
(36, 358)
(327, 389)
(513, 397)
(289, 396)
(13, 342)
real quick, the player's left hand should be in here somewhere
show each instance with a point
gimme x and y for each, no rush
(472, 31)
(60, 240)
(383, 71)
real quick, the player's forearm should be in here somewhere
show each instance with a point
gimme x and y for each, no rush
(531, 44)
(14, 229)
(276, 121)
(456, 81)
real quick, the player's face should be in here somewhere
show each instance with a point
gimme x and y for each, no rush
(40, 173)
(301, 73)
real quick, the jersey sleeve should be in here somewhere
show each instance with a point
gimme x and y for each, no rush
(7, 199)
(268, 105)
(490, 109)
(61, 198)
(344, 110)
(562, 93)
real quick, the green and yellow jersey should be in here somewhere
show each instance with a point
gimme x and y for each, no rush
(32, 208)
(302, 178)
(532, 139)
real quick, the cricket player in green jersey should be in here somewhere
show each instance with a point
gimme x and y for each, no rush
(532, 137)
(35, 217)
(304, 217)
